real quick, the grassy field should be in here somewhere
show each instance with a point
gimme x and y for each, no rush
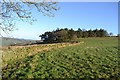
(92, 58)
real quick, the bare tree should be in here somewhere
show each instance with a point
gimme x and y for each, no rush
(14, 10)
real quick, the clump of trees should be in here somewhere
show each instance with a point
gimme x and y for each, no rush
(63, 35)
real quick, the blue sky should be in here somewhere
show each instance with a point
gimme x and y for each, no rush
(84, 15)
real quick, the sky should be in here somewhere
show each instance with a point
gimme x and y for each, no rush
(84, 15)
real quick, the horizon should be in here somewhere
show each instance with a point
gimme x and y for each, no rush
(84, 15)
(56, 29)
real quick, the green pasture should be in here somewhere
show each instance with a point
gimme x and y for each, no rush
(93, 59)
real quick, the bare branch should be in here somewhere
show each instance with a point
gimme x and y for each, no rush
(13, 11)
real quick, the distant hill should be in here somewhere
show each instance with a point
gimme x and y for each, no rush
(5, 41)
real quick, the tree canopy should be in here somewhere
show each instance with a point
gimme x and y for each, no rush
(62, 35)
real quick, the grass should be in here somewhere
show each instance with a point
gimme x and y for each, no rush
(14, 53)
(93, 59)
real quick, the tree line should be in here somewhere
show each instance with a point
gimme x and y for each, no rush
(62, 35)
